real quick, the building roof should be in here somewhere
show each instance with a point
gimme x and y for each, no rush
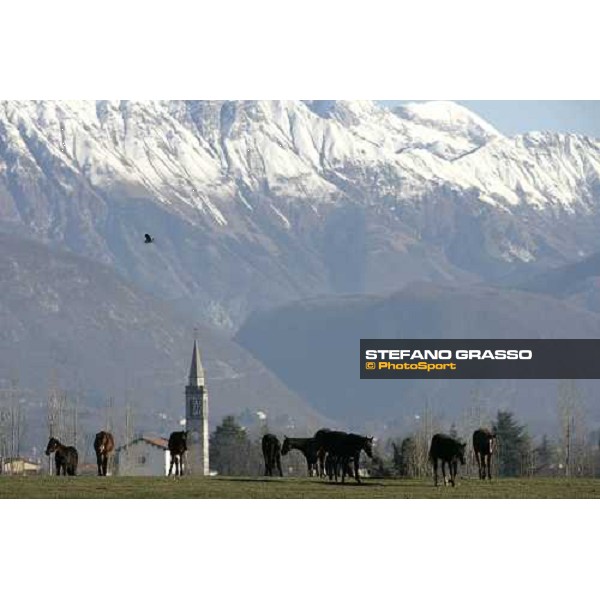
(158, 442)
(196, 370)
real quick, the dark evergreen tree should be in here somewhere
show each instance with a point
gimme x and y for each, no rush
(405, 458)
(232, 452)
(514, 446)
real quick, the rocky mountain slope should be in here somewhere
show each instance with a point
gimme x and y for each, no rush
(262, 202)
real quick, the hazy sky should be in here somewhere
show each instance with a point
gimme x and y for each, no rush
(518, 116)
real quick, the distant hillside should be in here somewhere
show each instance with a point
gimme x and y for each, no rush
(578, 281)
(313, 346)
(68, 321)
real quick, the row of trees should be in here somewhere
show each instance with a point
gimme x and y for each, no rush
(516, 454)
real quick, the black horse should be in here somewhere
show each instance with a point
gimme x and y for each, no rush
(65, 457)
(484, 444)
(271, 448)
(309, 448)
(104, 444)
(343, 448)
(177, 448)
(450, 451)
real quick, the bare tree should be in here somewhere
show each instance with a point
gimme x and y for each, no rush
(577, 457)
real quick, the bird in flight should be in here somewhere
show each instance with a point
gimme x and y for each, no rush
(148, 239)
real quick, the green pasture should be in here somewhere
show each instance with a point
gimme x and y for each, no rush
(260, 487)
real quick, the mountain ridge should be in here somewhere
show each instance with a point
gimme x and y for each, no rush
(257, 203)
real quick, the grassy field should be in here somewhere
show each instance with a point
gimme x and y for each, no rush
(239, 487)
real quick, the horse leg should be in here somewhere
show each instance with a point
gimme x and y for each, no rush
(356, 469)
(478, 463)
(489, 466)
(171, 465)
(435, 471)
(279, 465)
(453, 472)
(344, 465)
(99, 463)
(444, 472)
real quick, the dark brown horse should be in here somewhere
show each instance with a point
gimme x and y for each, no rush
(177, 448)
(450, 451)
(309, 448)
(271, 448)
(65, 457)
(343, 449)
(104, 444)
(484, 444)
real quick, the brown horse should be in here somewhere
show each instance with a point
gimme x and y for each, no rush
(309, 448)
(449, 451)
(271, 448)
(104, 444)
(484, 444)
(343, 449)
(177, 449)
(65, 457)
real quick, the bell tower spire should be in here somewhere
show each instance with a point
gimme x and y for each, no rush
(196, 416)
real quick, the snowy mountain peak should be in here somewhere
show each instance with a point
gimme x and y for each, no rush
(450, 117)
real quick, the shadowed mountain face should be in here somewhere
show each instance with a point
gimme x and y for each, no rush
(313, 346)
(578, 282)
(68, 321)
(255, 204)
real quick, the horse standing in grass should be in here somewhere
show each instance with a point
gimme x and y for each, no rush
(450, 451)
(177, 448)
(104, 444)
(309, 448)
(344, 448)
(271, 448)
(484, 444)
(65, 457)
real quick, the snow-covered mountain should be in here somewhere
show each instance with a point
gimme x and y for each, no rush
(255, 203)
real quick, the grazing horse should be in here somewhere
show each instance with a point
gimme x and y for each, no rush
(332, 466)
(177, 448)
(309, 448)
(271, 449)
(484, 444)
(104, 444)
(450, 451)
(65, 457)
(342, 448)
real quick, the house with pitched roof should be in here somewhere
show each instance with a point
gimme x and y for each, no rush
(145, 455)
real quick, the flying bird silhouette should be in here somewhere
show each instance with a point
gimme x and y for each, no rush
(148, 239)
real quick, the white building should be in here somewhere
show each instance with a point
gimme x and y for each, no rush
(19, 466)
(146, 456)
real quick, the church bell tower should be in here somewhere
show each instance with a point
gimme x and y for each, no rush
(196, 418)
